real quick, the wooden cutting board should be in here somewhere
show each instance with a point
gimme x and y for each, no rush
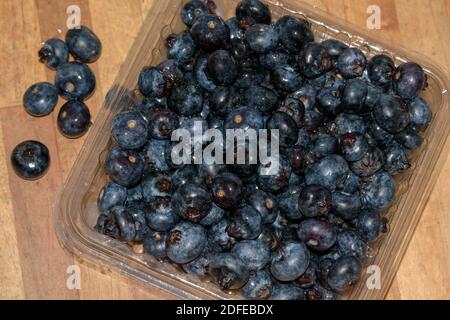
(32, 263)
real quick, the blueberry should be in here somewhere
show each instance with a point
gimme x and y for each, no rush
(354, 95)
(377, 191)
(224, 100)
(244, 118)
(329, 172)
(218, 236)
(261, 98)
(371, 99)
(74, 81)
(186, 100)
(270, 60)
(307, 95)
(198, 266)
(74, 119)
(129, 130)
(409, 79)
(192, 10)
(381, 136)
(254, 9)
(286, 79)
(351, 183)
(151, 82)
(155, 244)
(213, 216)
(289, 203)
(201, 76)
(54, 53)
(294, 108)
(380, 70)
(317, 234)
(391, 113)
(162, 122)
(124, 227)
(262, 38)
(83, 44)
(371, 162)
(353, 146)
(255, 254)
(222, 68)
(184, 175)
(314, 60)
(409, 138)
(370, 225)
(285, 291)
(106, 224)
(276, 182)
(324, 144)
(155, 155)
(161, 216)
(334, 48)
(344, 274)
(30, 159)
(396, 159)
(156, 185)
(227, 190)
(40, 99)
(314, 201)
(347, 123)
(185, 242)
(346, 205)
(287, 128)
(294, 33)
(125, 167)
(266, 204)
(192, 202)
(228, 271)
(351, 63)
(181, 47)
(290, 261)
(210, 33)
(258, 287)
(419, 112)
(112, 194)
(172, 74)
(330, 100)
(246, 223)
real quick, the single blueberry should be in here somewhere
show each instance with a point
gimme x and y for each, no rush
(181, 47)
(409, 79)
(74, 81)
(74, 119)
(53, 53)
(210, 33)
(262, 38)
(129, 130)
(112, 194)
(125, 167)
(40, 99)
(185, 242)
(30, 159)
(192, 10)
(294, 33)
(377, 191)
(290, 261)
(352, 63)
(318, 235)
(83, 44)
(255, 254)
(228, 271)
(151, 82)
(258, 287)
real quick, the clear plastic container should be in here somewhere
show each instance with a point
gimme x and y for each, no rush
(75, 212)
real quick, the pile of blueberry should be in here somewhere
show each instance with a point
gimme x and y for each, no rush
(74, 81)
(346, 126)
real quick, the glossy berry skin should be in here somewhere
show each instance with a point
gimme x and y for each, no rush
(111, 195)
(294, 33)
(83, 44)
(307, 95)
(125, 167)
(409, 79)
(380, 70)
(287, 128)
(213, 216)
(286, 79)
(258, 287)
(218, 236)
(329, 172)
(155, 244)
(244, 118)
(185, 242)
(192, 202)
(262, 38)
(255, 254)
(181, 47)
(353, 146)
(30, 159)
(266, 204)
(275, 182)
(391, 114)
(192, 11)
(222, 68)
(371, 162)
(370, 225)
(151, 82)
(419, 113)
(74, 119)
(74, 81)
(354, 95)
(261, 98)
(228, 271)
(409, 138)
(186, 100)
(314, 60)
(346, 205)
(290, 261)
(318, 235)
(224, 100)
(40, 99)
(246, 224)
(377, 191)
(162, 122)
(53, 53)
(161, 216)
(284, 291)
(254, 9)
(227, 190)
(334, 48)
(351, 63)
(129, 130)
(210, 33)
(396, 159)
(344, 274)
(314, 201)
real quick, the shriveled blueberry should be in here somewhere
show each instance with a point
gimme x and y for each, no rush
(112, 194)
(344, 274)
(227, 190)
(185, 242)
(246, 223)
(380, 70)
(290, 261)
(53, 53)
(83, 44)
(74, 81)
(186, 100)
(329, 172)
(210, 33)
(74, 119)
(294, 33)
(40, 99)
(155, 244)
(129, 130)
(254, 253)
(370, 225)
(192, 202)
(262, 38)
(260, 98)
(371, 162)
(314, 60)
(346, 205)
(286, 79)
(318, 235)
(409, 138)
(222, 68)
(391, 113)
(409, 79)
(377, 191)
(192, 10)
(254, 9)
(124, 167)
(352, 63)
(228, 271)
(314, 201)
(30, 159)
(181, 47)
(396, 159)
(258, 287)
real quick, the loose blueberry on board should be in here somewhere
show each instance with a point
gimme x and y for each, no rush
(40, 99)
(125, 167)
(74, 81)
(185, 242)
(74, 119)
(83, 44)
(53, 53)
(30, 159)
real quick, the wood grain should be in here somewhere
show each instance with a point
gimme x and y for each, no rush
(32, 263)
